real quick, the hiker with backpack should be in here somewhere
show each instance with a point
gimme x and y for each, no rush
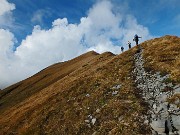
(136, 39)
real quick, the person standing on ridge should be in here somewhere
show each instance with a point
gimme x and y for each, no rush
(122, 49)
(129, 44)
(136, 39)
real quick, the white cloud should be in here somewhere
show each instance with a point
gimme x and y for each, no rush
(6, 20)
(5, 7)
(6, 58)
(6, 17)
(64, 41)
(6, 42)
(40, 15)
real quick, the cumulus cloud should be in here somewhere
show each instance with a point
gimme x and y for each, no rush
(6, 57)
(6, 17)
(102, 30)
(5, 7)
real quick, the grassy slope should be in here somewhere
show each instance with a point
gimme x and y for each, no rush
(63, 107)
(163, 54)
(24, 89)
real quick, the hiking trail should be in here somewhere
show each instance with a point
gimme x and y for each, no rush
(162, 117)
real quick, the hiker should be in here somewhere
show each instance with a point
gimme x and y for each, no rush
(136, 39)
(122, 48)
(129, 45)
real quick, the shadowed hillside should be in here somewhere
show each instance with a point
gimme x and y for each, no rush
(97, 94)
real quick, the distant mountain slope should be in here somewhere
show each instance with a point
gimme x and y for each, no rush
(92, 94)
(24, 89)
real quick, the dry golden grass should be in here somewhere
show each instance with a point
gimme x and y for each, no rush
(163, 55)
(55, 100)
(24, 89)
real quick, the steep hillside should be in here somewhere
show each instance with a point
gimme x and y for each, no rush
(24, 89)
(99, 94)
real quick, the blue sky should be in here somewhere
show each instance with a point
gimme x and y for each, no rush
(160, 16)
(73, 10)
(37, 33)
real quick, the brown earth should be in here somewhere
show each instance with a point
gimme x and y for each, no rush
(62, 98)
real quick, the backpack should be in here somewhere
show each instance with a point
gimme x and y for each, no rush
(136, 36)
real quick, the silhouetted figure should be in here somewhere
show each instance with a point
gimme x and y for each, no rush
(136, 39)
(129, 45)
(166, 128)
(122, 49)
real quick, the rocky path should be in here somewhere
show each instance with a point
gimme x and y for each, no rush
(164, 118)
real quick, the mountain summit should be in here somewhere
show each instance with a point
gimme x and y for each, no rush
(136, 92)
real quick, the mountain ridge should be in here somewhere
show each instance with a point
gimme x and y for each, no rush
(96, 94)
